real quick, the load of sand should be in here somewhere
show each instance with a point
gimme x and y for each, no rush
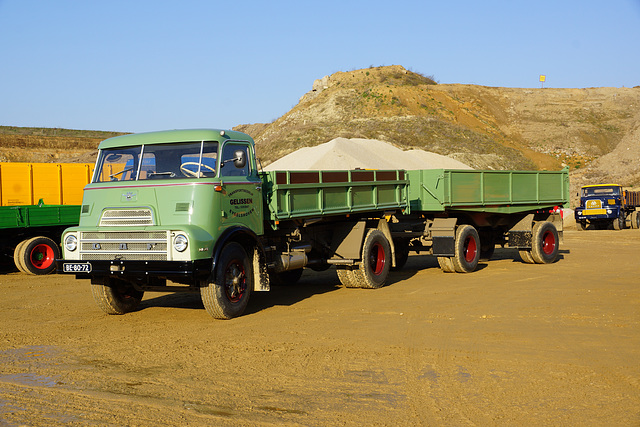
(354, 153)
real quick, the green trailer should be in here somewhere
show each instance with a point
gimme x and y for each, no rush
(189, 211)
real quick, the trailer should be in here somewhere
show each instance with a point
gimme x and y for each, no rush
(189, 211)
(37, 202)
(607, 206)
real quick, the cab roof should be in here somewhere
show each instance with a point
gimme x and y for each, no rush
(601, 185)
(172, 136)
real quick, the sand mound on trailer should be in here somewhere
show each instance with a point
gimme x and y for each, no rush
(343, 153)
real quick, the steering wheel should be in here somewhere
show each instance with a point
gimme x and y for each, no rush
(188, 172)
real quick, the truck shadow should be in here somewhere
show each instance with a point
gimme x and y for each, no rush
(316, 283)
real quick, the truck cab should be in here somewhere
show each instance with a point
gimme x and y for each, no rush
(163, 202)
(601, 205)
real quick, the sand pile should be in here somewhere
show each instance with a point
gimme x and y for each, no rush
(343, 153)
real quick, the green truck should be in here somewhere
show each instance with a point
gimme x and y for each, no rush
(189, 211)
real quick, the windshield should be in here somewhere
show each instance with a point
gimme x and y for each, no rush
(159, 161)
(601, 191)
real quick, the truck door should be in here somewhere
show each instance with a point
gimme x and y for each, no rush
(241, 187)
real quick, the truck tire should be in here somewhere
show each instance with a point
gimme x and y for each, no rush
(580, 226)
(348, 278)
(38, 255)
(525, 255)
(115, 296)
(402, 253)
(376, 260)
(467, 249)
(545, 243)
(289, 277)
(635, 220)
(226, 293)
(18, 255)
(618, 223)
(446, 264)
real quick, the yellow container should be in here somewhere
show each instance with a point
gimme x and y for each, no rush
(54, 183)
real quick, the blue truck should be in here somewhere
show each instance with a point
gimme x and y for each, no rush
(607, 206)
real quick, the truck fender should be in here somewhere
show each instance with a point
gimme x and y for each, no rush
(384, 227)
(252, 245)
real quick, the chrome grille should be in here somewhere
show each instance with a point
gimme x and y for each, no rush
(126, 217)
(133, 245)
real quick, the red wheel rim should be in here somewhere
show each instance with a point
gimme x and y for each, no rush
(235, 281)
(470, 249)
(377, 258)
(41, 256)
(548, 243)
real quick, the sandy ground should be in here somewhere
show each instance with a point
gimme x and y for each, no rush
(510, 344)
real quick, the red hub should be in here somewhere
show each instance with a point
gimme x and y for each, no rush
(470, 249)
(548, 243)
(41, 256)
(377, 258)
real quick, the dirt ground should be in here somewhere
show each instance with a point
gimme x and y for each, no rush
(510, 344)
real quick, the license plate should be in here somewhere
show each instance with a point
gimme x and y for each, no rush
(76, 267)
(594, 212)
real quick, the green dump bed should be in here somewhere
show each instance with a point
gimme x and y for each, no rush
(433, 190)
(39, 216)
(301, 194)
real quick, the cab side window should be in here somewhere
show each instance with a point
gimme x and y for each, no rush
(235, 160)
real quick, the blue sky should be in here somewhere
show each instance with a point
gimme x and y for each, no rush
(147, 65)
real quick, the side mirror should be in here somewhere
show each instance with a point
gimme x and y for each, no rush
(241, 159)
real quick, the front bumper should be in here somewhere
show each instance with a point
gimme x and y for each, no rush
(194, 270)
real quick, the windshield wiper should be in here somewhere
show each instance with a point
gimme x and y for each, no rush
(118, 173)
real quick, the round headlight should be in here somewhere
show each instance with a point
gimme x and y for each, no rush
(180, 243)
(71, 243)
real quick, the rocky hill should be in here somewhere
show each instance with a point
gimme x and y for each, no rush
(593, 131)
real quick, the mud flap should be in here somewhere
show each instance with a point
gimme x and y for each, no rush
(443, 236)
(261, 281)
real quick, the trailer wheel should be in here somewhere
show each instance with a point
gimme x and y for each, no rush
(115, 296)
(376, 260)
(446, 264)
(525, 255)
(289, 277)
(545, 243)
(467, 249)
(18, 255)
(37, 255)
(635, 220)
(348, 278)
(226, 293)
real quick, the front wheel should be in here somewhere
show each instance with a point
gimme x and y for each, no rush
(226, 293)
(545, 243)
(618, 223)
(115, 296)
